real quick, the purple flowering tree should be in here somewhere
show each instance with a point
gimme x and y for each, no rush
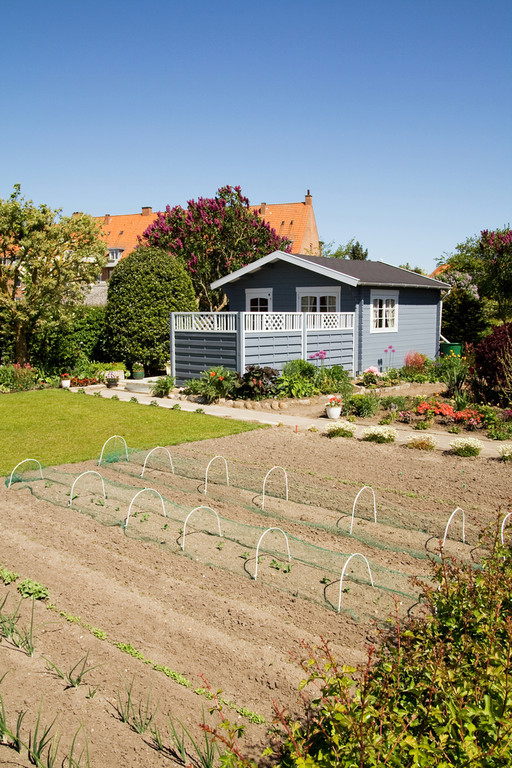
(213, 236)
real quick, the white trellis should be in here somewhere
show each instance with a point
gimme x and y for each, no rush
(503, 527)
(261, 539)
(191, 513)
(19, 465)
(364, 488)
(89, 472)
(208, 467)
(356, 554)
(108, 441)
(158, 448)
(457, 509)
(265, 481)
(143, 490)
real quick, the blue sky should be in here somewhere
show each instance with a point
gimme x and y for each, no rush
(396, 115)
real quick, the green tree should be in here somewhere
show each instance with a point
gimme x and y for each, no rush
(341, 252)
(464, 318)
(357, 252)
(144, 288)
(418, 270)
(46, 261)
(488, 259)
(213, 237)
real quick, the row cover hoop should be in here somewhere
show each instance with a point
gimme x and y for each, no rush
(265, 480)
(364, 488)
(113, 438)
(457, 509)
(19, 465)
(208, 467)
(143, 490)
(158, 448)
(259, 542)
(356, 554)
(186, 519)
(75, 481)
(503, 527)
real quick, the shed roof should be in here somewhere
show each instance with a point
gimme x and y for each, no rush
(351, 272)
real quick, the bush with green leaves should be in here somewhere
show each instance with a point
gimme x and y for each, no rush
(393, 403)
(379, 434)
(298, 379)
(18, 378)
(435, 693)
(257, 383)
(334, 379)
(218, 381)
(341, 428)
(144, 289)
(365, 405)
(466, 446)
(162, 386)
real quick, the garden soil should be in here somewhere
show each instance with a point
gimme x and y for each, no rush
(195, 619)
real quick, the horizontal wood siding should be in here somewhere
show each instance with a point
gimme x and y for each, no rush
(418, 330)
(273, 349)
(196, 351)
(337, 344)
(284, 279)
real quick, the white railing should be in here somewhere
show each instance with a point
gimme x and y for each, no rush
(272, 321)
(329, 321)
(205, 321)
(258, 322)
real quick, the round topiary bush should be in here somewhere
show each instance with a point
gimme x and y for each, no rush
(144, 289)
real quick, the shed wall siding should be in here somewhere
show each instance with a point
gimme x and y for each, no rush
(418, 330)
(195, 352)
(284, 279)
(272, 349)
(337, 344)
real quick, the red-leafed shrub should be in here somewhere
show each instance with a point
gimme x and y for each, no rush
(493, 360)
(415, 360)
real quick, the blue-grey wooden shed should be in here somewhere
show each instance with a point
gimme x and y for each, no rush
(286, 306)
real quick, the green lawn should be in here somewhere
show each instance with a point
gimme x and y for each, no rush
(57, 427)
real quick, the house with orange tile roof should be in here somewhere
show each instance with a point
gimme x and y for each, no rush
(295, 221)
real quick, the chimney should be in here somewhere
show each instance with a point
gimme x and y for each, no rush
(309, 198)
(146, 210)
(106, 219)
(263, 208)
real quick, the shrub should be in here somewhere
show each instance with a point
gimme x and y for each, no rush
(334, 379)
(422, 443)
(18, 377)
(464, 317)
(162, 386)
(505, 451)
(493, 362)
(434, 693)
(257, 383)
(341, 428)
(144, 289)
(214, 383)
(466, 446)
(415, 361)
(298, 379)
(380, 434)
(365, 405)
(393, 402)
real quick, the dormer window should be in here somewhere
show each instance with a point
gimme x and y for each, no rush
(114, 254)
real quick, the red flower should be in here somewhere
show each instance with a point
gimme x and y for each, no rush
(213, 373)
(221, 378)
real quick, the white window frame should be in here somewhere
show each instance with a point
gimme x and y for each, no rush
(258, 293)
(384, 295)
(318, 291)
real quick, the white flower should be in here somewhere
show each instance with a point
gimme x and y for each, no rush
(341, 424)
(505, 451)
(466, 446)
(380, 434)
(425, 442)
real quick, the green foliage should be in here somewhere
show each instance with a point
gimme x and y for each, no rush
(29, 588)
(493, 363)
(365, 405)
(298, 379)
(453, 370)
(393, 402)
(74, 676)
(464, 317)
(45, 263)
(70, 345)
(357, 252)
(214, 383)
(144, 289)
(15, 378)
(257, 383)
(212, 237)
(435, 693)
(162, 386)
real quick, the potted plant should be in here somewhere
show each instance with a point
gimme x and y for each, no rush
(138, 371)
(333, 407)
(111, 378)
(65, 380)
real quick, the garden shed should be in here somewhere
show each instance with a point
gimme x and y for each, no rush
(286, 306)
